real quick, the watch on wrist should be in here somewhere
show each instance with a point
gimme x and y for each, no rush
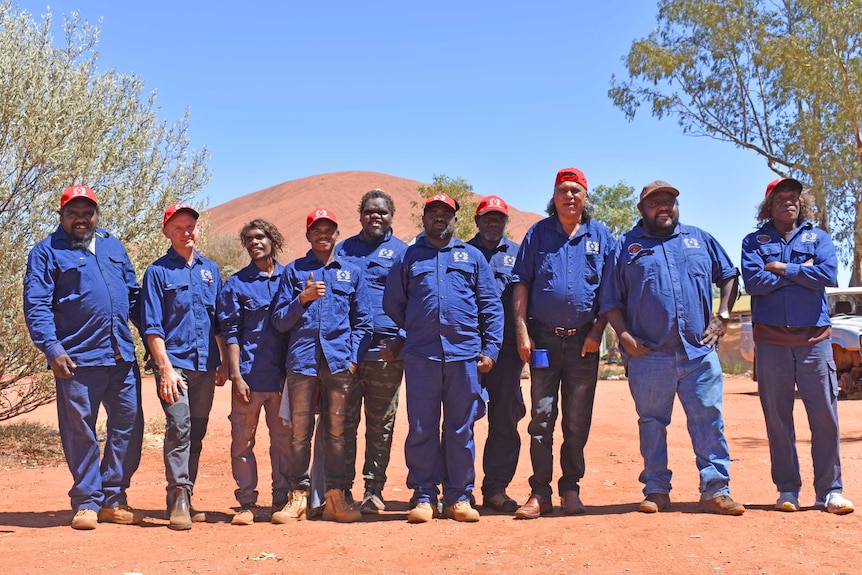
(724, 315)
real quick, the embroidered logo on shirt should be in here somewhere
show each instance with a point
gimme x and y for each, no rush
(461, 256)
(635, 248)
(808, 237)
(508, 261)
(592, 247)
(386, 253)
(764, 239)
(691, 243)
(207, 276)
(342, 275)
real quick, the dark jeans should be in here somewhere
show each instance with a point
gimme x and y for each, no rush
(302, 390)
(567, 384)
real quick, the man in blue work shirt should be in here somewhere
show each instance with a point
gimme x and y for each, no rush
(80, 292)
(657, 295)
(556, 279)
(786, 264)
(378, 381)
(255, 356)
(443, 294)
(503, 383)
(322, 302)
(179, 296)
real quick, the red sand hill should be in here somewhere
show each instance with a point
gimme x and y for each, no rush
(287, 204)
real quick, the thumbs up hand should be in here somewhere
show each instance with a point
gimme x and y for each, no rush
(313, 290)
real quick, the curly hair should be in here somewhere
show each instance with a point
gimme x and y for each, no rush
(267, 228)
(806, 208)
(375, 194)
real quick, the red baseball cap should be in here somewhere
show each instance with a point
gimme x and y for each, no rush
(444, 199)
(571, 175)
(492, 204)
(784, 182)
(319, 214)
(657, 186)
(73, 192)
(172, 209)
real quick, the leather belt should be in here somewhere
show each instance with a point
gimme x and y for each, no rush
(562, 332)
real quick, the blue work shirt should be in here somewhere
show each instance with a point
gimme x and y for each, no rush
(243, 310)
(446, 299)
(797, 298)
(562, 274)
(663, 285)
(375, 261)
(179, 305)
(80, 303)
(336, 327)
(502, 261)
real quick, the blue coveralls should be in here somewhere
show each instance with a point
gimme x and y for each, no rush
(244, 317)
(325, 337)
(561, 274)
(447, 301)
(663, 285)
(179, 305)
(79, 303)
(503, 383)
(796, 299)
(377, 382)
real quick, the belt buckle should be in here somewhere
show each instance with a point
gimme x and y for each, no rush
(563, 332)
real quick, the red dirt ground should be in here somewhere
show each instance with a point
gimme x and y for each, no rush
(612, 537)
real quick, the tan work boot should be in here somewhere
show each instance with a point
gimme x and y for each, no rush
(422, 513)
(295, 510)
(337, 508)
(84, 519)
(245, 516)
(462, 511)
(121, 514)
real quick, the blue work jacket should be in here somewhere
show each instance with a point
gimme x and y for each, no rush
(336, 327)
(179, 305)
(562, 274)
(243, 310)
(797, 298)
(446, 300)
(502, 261)
(663, 285)
(80, 303)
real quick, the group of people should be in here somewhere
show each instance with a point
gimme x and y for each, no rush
(331, 335)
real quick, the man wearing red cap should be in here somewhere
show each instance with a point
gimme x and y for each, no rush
(786, 264)
(179, 295)
(442, 293)
(503, 383)
(80, 292)
(657, 295)
(322, 303)
(556, 280)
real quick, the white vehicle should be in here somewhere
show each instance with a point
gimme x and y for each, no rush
(845, 310)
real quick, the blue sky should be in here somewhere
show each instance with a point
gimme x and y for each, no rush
(501, 94)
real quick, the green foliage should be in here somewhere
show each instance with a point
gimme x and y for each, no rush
(782, 79)
(616, 207)
(64, 121)
(459, 190)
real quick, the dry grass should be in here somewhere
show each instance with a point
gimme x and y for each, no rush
(29, 445)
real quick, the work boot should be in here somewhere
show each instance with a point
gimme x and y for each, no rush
(84, 519)
(121, 514)
(181, 518)
(423, 512)
(462, 511)
(295, 510)
(722, 505)
(337, 508)
(372, 503)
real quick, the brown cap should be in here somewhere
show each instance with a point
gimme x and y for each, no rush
(657, 186)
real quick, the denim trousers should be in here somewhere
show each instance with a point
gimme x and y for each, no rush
(655, 379)
(567, 385)
(436, 456)
(376, 387)
(781, 370)
(244, 418)
(505, 409)
(186, 423)
(98, 484)
(303, 391)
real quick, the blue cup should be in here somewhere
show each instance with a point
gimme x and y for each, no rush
(539, 359)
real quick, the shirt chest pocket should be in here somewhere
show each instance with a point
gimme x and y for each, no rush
(178, 296)
(770, 253)
(377, 272)
(422, 276)
(70, 275)
(802, 253)
(342, 296)
(254, 312)
(461, 277)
